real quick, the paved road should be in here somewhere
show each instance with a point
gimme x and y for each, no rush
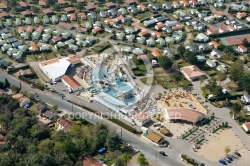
(149, 150)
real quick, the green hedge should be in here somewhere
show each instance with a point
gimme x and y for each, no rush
(189, 160)
(24, 79)
(18, 68)
(224, 97)
(123, 125)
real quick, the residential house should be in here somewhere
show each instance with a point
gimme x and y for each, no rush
(6, 47)
(211, 63)
(72, 16)
(64, 18)
(214, 44)
(69, 10)
(166, 6)
(230, 28)
(45, 19)
(144, 32)
(88, 160)
(142, 7)
(130, 2)
(159, 26)
(170, 39)
(200, 58)
(103, 14)
(112, 12)
(61, 2)
(26, 13)
(231, 22)
(200, 27)
(161, 41)
(222, 29)
(246, 126)
(96, 30)
(150, 42)
(242, 49)
(82, 15)
(45, 48)
(37, 20)
(210, 31)
(122, 11)
(191, 47)
(156, 34)
(149, 23)
(241, 15)
(3, 6)
(33, 48)
(209, 19)
(23, 5)
(246, 98)
(202, 47)
(120, 35)
(65, 25)
(130, 38)
(201, 37)
(63, 124)
(192, 72)
(3, 62)
(42, 3)
(141, 39)
(132, 9)
(89, 7)
(175, 5)
(168, 52)
(239, 26)
(156, 52)
(54, 19)
(18, 22)
(221, 68)
(41, 107)
(110, 5)
(154, 6)
(171, 23)
(216, 54)
(93, 16)
(48, 11)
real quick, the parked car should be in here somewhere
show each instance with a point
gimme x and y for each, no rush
(227, 160)
(237, 154)
(223, 162)
(37, 99)
(162, 153)
(230, 158)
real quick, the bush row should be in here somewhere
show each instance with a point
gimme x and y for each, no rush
(125, 126)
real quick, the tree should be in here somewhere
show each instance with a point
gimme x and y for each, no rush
(236, 70)
(136, 60)
(12, 3)
(125, 158)
(119, 162)
(141, 160)
(176, 76)
(6, 83)
(112, 141)
(181, 50)
(56, 7)
(55, 107)
(245, 42)
(227, 150)
(165, 62)
(221, 76)
(51, 2)
(236, 107)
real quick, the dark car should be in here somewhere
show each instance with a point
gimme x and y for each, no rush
(237, 154)
(223, 162)
(162, 153)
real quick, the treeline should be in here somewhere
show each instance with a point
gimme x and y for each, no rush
(28, 142)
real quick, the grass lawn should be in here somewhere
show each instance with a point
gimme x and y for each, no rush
(142, 67)
(102, 35)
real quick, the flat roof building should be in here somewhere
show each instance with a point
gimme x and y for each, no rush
(192, 72)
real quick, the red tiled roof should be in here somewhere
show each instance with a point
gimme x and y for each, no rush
(89, 7)
(29, 28)
(4, 14)
(90, 161)
(128, 2)
(83, 15)
(48, 11)
(242, 47)
(57, 38)
(247, 124)
(26, 12)
(42, 3)
(69, 9)
(61, 2)
(71, 81)
(20, 29)
(156, 52)
(23, 4)
(192, 71)
(109, 4)
(3, 6)
(40, 29)
(34, 47)
(185, 114)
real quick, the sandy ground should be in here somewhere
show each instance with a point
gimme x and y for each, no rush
(214, 149)
(177, 129)
(180, 98)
